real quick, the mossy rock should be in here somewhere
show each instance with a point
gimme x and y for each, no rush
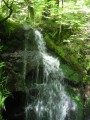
(70, 73)
(70, 65)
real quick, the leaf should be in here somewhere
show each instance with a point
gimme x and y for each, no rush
(2, 64)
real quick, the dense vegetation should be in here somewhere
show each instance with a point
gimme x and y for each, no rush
(65, 25)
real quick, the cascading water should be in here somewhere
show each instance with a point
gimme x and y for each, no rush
(46, 100)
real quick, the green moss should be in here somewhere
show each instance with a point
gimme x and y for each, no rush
(60, 51)
(8, 27)
(64, 54)
(70, 73)
(49, 43)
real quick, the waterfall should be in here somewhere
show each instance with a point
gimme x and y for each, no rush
(46, 100)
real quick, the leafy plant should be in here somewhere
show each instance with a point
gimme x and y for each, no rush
(3, 82)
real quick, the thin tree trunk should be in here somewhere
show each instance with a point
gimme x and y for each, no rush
(62, 3)
(61, 27)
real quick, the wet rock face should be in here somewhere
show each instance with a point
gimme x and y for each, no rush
(14, 55)
(14, 106)
(33, 76)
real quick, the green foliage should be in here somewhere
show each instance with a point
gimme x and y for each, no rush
(1, 117)
(2, 98)
(2, 87)
(70, 73)
(3, 82)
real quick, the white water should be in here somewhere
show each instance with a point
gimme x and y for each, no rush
(52, 102)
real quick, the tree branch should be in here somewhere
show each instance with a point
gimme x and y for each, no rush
(10, 10)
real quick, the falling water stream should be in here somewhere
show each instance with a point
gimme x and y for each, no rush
(50, 100)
